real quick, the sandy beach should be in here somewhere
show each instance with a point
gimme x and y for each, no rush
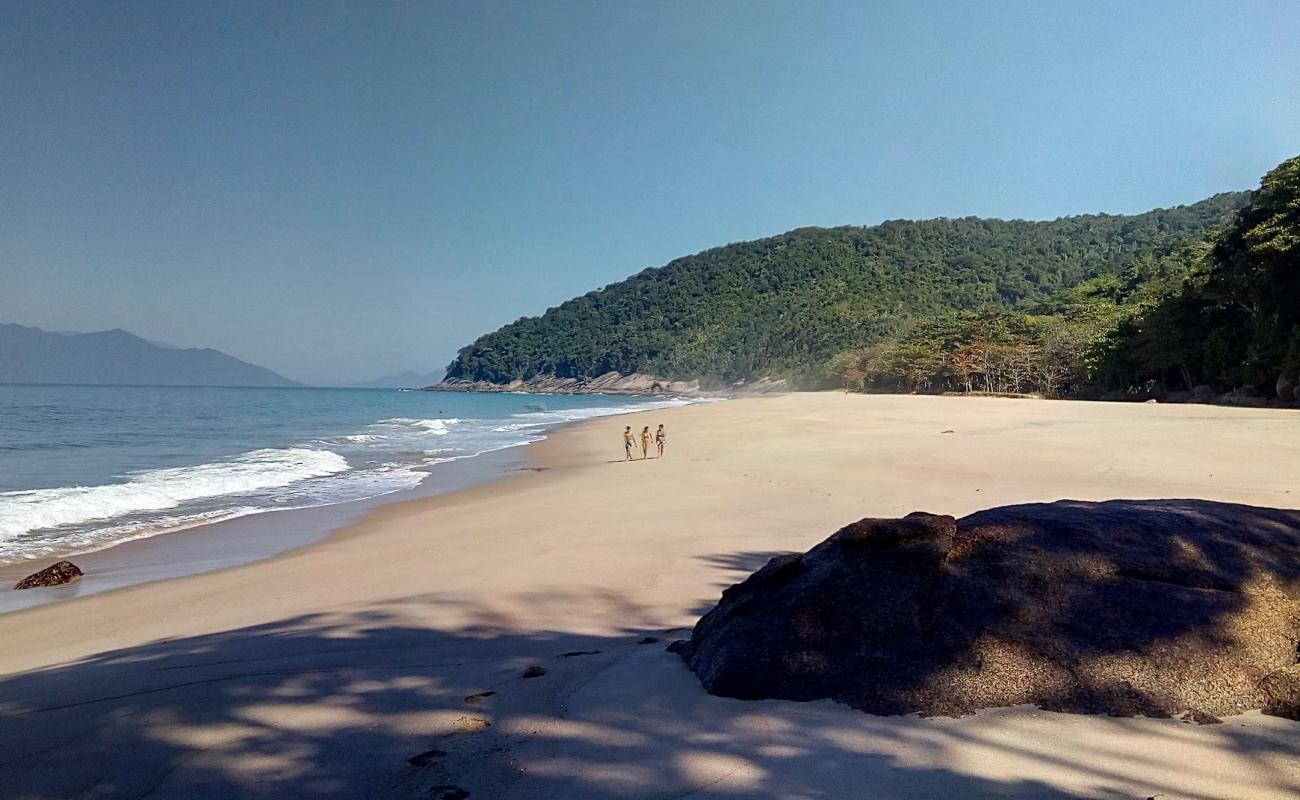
(328, 670)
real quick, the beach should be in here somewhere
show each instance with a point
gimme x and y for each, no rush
(329, 669)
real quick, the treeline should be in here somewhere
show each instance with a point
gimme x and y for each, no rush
(787, 305)
(992, 351)
(1223, 312)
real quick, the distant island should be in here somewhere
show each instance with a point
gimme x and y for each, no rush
(1196, 299)
(32, 355)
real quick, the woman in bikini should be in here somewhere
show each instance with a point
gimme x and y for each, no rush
(645, 441)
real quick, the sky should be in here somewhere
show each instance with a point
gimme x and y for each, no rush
(340, 191)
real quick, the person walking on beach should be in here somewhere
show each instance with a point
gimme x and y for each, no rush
(645, 441)
(628, 442)
(661, 439)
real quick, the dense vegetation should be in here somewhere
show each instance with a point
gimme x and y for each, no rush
(1199, 293)
(1235, 318)
(1222, 312)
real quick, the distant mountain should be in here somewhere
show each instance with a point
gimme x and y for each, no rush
(31, 355)
(405, 380)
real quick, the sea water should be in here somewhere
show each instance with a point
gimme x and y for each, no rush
(86, 467)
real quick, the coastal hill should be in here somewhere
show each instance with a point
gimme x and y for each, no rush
(783, 306)
(1191, 301)
(31, 355)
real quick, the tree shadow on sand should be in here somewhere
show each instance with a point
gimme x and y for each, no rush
(377, 704)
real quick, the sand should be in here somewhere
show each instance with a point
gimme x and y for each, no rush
(320, 672)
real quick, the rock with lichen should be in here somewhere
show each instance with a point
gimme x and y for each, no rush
(1124, 607)
(53, 575)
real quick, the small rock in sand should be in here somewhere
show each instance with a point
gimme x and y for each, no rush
(54, 575)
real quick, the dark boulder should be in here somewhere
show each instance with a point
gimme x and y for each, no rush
(1123, 607)
(53, 575)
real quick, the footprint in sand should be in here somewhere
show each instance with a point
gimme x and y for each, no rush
(426, 758)
(478, 697)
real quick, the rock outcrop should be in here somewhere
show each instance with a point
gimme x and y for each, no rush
(1123, 607)
(53, 575)
(609, 383)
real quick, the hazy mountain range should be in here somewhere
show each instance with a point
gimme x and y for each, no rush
(32, 355)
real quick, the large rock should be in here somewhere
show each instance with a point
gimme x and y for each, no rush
(53, 575)
(1123, 607)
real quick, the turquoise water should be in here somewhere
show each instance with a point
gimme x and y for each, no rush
(86, 467)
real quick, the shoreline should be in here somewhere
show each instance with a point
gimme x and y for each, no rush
(235, 542)
(344, 660)
(260, 536)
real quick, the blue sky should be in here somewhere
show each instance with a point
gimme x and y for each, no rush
(343, 190)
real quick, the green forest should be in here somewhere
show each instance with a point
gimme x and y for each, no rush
(1199, 295)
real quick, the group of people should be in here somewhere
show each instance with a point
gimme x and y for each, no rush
(629, 442)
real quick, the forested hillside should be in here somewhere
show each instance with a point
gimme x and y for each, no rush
(1235, 320)
(787, 305)
(1220, 314)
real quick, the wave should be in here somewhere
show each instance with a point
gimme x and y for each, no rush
(377, 458)
(67, 541)
(436, 426)
(162, 489)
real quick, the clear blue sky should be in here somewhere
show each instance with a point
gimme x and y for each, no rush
(342, 190)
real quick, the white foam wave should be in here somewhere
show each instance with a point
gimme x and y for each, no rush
(437, 426)
(541, 418)
(161, 489)
(83, 541)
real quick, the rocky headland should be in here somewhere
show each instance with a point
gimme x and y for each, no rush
(609, 383)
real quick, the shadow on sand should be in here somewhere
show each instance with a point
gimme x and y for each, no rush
(376, 704)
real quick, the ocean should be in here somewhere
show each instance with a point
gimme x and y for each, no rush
(86, 467)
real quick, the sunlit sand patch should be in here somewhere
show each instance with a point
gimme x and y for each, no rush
(703, 767)
(573, 729)
(615, 777)
(307, 717)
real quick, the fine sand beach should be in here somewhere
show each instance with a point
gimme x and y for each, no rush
(508, 640)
